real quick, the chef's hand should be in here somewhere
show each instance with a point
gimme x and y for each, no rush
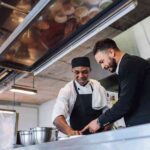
(74, 132)
(93, 126)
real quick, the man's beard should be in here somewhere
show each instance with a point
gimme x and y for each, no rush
(113, 65)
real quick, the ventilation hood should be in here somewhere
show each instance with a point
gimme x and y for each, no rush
(11, 15)
(7, 77)
(53, 28)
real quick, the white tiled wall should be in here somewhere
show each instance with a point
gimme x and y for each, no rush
(45, 114)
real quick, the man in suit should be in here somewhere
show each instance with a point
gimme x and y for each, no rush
(134, 86)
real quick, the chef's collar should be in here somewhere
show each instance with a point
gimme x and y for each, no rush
(117, 69)
(81, 85)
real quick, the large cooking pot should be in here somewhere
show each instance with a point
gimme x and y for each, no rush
(54, 134)
(43, 134)
(25, 138)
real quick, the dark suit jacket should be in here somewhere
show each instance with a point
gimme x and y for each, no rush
(134, 93)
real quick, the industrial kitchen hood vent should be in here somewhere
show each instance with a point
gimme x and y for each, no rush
(6, 74)
(54, 28)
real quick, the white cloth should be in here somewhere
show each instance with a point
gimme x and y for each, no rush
(67, 96)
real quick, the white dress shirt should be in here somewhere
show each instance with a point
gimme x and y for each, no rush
(67, 97)
(117, 69)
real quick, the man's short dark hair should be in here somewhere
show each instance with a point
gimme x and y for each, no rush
(104, 45)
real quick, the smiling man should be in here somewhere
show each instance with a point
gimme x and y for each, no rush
(134, 86)
(81, 100)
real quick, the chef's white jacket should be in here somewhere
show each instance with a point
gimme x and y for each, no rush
(67, 97)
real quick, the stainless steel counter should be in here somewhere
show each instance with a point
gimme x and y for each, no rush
(137, 138)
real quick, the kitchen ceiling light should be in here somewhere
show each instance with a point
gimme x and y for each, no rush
(23, 89)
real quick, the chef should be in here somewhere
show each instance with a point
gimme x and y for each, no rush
(81, 100)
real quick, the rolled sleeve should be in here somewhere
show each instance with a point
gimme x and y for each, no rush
(61, 105)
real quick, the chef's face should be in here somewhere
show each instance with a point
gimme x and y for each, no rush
(81, 74)
(106, 60)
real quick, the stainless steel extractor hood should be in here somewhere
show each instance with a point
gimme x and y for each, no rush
(6, 76)
(54, 28)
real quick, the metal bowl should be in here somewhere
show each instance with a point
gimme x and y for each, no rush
(41, 134)
(25, 138)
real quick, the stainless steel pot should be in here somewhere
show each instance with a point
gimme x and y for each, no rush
(54, 135)
(43, 134)
(26, 138)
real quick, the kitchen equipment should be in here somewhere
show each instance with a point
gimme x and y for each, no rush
(26, 138)
(43, 134)
(54, 134)
(13, 8)
(8, 125)
(37, 135)
(105, 3)
(45, 30)
(18, 138)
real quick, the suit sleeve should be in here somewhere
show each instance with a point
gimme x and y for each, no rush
(130, 80)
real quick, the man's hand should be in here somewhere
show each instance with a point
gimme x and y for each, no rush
(71, 132)
(62, 125)
(93, 126)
